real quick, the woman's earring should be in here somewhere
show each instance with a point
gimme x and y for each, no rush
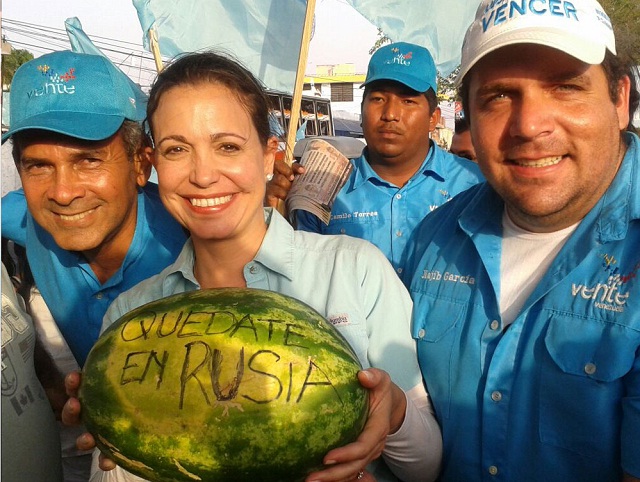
(269, 177)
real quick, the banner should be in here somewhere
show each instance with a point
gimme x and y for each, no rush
(435, 24)
(264, 35)
(81, 43)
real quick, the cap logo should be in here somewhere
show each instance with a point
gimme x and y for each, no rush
(400, 58)
(499, 11)
(604, 19)
(54, 82)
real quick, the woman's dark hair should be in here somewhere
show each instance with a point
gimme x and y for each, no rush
(615, 69)
(214, 68)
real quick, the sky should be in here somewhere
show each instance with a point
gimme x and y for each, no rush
(341, 34)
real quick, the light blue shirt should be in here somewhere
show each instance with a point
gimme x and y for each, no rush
(368, 207)
(556, 395)
(74, 295)
(347, 280)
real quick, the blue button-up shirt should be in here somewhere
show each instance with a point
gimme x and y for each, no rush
(371, 208)
(74, 295)
(556, 395)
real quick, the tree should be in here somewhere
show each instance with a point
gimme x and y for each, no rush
(11, 62)
(624, 15)
(380, 41)
(446, 89)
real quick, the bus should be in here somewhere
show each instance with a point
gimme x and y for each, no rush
(316, 111)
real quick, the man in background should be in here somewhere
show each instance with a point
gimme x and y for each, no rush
(30, 441)
(461, 144)
(402, 175)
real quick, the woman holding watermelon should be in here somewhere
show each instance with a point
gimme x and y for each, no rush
(213, 154)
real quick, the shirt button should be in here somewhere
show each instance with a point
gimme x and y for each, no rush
(398, 196)
(589, 368)
(398, 233)
(342, 231)
(496, 396)
(253, 269)
(493, 470)
(399, 270)
(421, 333)
(99, 296)
(495, 324)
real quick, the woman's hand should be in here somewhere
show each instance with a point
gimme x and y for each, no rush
(387, 405)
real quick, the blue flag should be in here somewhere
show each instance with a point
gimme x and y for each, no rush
(302, 131)
(81, 43)
(435, 24)
(264, 35)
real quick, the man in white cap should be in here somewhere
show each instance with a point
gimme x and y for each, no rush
(402, 175)
(526, 289)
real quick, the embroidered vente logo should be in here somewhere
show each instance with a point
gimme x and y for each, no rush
(400, 58)
(609, 263)
(55, 82)
(614, 293)
(605, 296)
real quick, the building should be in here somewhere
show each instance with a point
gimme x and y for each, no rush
(341, 84)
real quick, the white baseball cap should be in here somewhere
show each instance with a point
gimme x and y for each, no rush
(580, 28)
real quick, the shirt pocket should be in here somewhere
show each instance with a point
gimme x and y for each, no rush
(354, 331)
(438, 344)
(581, 383)
(358, 228)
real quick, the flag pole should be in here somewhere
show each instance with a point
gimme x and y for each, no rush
(296, 101)
(155, 49)
(297, 89)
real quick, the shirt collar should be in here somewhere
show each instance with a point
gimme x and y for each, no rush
(180, 271)
(433, 165)
(277, 250)
(621, 201)
(276, 253)
(618, 206)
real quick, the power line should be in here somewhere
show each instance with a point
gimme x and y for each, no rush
(62, 32)
(43, 39)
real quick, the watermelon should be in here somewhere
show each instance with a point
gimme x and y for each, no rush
(222, 385)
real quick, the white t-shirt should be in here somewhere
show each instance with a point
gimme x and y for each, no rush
(526, 256)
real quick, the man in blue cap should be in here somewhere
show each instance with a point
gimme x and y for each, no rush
(402, 175)
(91, 224)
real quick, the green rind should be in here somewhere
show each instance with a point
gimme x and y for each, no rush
(280, 440)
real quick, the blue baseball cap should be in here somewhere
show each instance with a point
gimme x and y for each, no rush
(409, 64)
(80, 95)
